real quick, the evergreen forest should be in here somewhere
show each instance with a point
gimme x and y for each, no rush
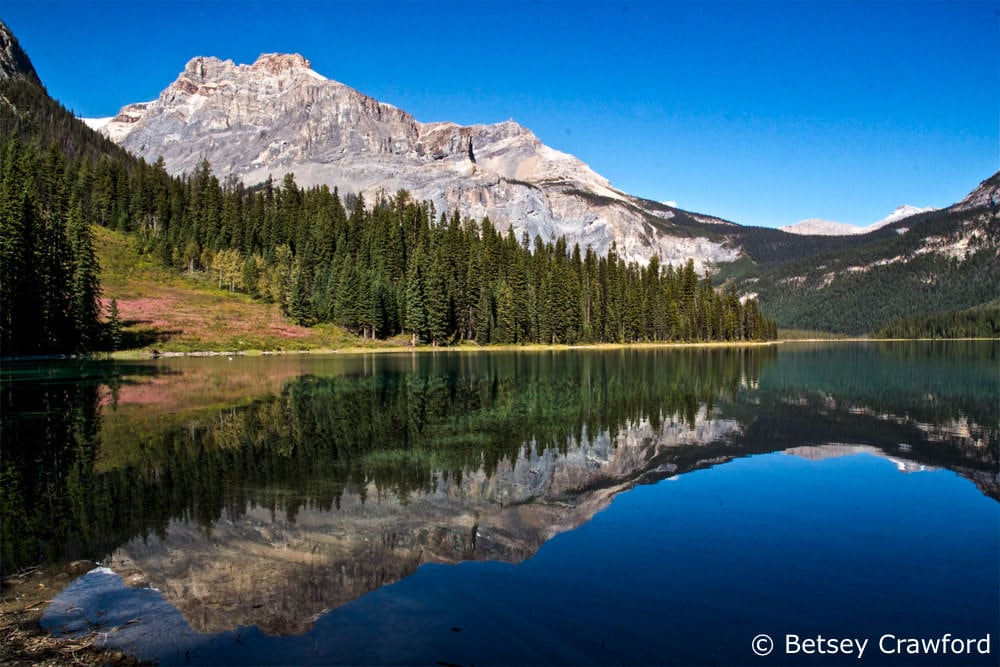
(979, 322)
(394, 267)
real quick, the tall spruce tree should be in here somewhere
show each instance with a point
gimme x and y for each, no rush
(85, 289)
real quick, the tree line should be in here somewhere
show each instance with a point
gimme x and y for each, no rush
(980, 322)
(396, 268)
(392, 268)
(49, 275)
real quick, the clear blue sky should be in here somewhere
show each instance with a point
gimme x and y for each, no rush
(764, 113)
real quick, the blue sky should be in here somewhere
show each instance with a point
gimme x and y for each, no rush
(763, 112)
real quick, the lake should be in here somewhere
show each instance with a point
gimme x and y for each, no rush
(831, 503)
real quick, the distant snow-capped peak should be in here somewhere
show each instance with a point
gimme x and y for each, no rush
(816, 227)
(904, 211)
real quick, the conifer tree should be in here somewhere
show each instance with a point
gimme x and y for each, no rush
(506, 324)
(484, 316)
(299, 306)
(85, 289)
(416, 308)
(16, 280)
(114, 325)
(436, 299)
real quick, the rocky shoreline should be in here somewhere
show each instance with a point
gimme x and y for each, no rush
(23, 641)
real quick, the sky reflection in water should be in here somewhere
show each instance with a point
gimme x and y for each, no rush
(628, 542)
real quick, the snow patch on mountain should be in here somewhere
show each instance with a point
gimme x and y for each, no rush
(97, 124)
(901, 213)
(816, 227)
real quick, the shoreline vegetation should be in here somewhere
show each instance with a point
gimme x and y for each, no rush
(166, 313)
(161, 311)
(385, 347)
(158, 260)
(468, 348)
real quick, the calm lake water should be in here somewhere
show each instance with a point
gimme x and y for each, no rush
(664, 506)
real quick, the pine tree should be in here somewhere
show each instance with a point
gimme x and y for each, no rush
(416, 308)
(437, 300)
(484, 316)
(506, 323)
(17, 287)
(114, 325)
(299, 301)
(85, 289)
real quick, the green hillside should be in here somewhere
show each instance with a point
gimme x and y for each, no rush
(928, 264)
(292, 267)
(978, 322)
(171, 311)
(192, 263)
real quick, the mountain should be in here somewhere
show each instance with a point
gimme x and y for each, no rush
(278, 116)
(13, 60)
(901, 213)
(817, 227)
(29, 113)
(828, 228)
(986, 195)
(926, 264)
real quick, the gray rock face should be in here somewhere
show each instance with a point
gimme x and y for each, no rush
(987, 194)
(279, 116)
(13, 60)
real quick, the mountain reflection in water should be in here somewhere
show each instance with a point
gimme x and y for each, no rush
(263, 492)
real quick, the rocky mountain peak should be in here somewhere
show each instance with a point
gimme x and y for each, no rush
(278, 116)
(13, 60)
(987, 194)
(275, 63)
(204, 69)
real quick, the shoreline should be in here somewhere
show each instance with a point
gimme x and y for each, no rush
(24, 642)
(143, 354)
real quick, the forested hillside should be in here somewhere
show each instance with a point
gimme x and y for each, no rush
(928, 264)
(395, 267)
(979, 322)
(391, 268)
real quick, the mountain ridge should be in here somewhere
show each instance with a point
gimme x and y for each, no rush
(928, 264)
(815, 226)
(13, 59)
(279, 116)
(877, 277)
